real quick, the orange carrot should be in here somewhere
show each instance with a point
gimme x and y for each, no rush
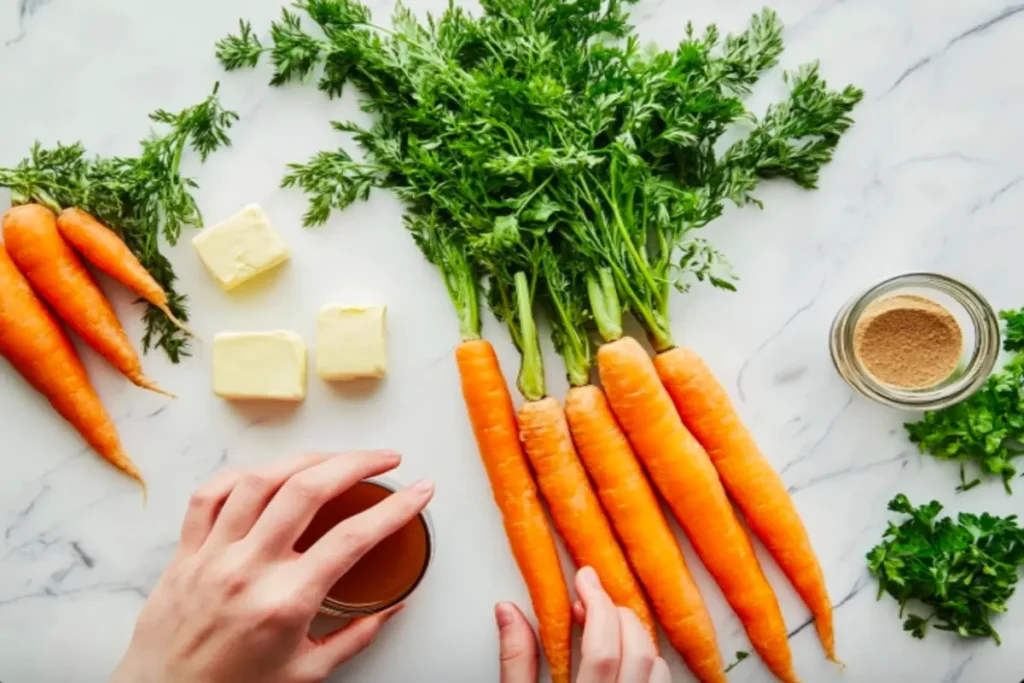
(101, 246)
(533, 546)
(57, 274)
(645, 534)
(748, 477)
(574, 507)
(35, 345)
(684, 475)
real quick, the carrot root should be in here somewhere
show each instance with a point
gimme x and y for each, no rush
(35, 345)
(147, 383)
(574, 506)
(54, 270)
(494, 424)
(643, 529)
(749, 478)
(684, 475)
(177, 323)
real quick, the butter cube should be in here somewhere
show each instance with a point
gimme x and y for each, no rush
(350, 342)
(255, 365)
(240, 248)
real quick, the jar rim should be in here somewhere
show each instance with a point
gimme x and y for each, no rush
(982, 358)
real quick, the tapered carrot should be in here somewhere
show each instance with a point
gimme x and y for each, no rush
(750, 480)
(58, 276)
(648, 540)
(684, 475)
(34, 344)
(494, 424)
(100, 246)
(574, 506)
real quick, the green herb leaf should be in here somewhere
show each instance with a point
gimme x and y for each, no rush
(1013, 330)
(987, 428)
(962, 570)
(241, 51)
(540, 138)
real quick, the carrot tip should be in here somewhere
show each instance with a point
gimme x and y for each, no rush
(149, 384)
(177, 323)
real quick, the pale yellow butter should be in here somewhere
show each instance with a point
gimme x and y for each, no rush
(254, 365)
(242, 247)
(350, 342)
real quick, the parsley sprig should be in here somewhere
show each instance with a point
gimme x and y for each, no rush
(987, 428)
(142, 198)
(964, 570)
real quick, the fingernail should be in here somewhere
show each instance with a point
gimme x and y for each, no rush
(589, 577)
(422, 486)
(503, 614)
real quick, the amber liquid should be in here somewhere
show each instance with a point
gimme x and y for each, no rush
(389, 571)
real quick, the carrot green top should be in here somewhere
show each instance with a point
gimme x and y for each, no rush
(546, 139)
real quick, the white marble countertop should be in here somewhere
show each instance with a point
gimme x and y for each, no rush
(929, 178)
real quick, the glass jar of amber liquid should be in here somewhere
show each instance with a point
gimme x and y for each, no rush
(387, 574)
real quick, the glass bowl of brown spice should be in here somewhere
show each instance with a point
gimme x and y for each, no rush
(920, 341)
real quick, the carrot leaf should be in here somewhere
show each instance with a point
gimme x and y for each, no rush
(543, 138)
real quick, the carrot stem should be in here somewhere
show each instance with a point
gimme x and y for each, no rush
(531, 373)
(604, 304)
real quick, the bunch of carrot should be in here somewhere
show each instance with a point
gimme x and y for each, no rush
(668, 422)
(39, 262)
(539, 149)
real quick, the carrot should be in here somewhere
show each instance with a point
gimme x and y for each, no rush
(651, 546)
(101, 246)
(34, 343)
(57, 274)
(494, 424)
(575, 509)
(684, 475)
(748, 477)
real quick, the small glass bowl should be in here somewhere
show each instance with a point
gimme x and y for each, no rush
(979, 323)
(336, 609)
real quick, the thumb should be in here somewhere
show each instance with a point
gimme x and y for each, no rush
(518, 645)
(338, 647)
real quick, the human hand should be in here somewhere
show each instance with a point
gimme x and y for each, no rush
(616, 647)
(236, 601)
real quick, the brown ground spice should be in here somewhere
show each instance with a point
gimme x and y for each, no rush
(908, 341)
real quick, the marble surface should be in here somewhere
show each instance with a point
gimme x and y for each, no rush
(930, 178)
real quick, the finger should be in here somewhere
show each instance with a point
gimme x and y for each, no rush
(518, 645)
(338, 647)
(579, 613)
(297, 501)
(327, 560)
(601, 639)
(660, 673)
(253, 490)
(203, 508)
(638, 653)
